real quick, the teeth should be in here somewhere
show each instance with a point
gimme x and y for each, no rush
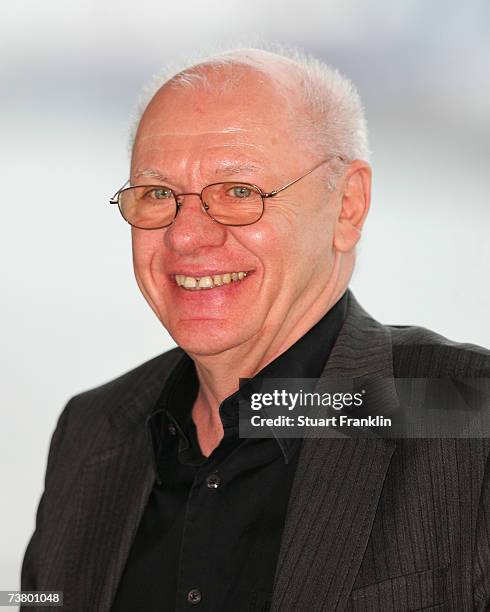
(189, 282)
(205, 282)
(208, 282)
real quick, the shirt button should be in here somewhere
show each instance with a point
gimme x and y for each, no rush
(213, 481)
(171, 429)
(194, 596)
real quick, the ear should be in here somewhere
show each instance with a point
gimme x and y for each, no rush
(355, 194)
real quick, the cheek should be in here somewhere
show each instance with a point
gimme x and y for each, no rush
(146, 247)
(287, 235)
(296, 251)
(268, 242)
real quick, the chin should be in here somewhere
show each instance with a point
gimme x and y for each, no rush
(207, 336)
(202, 337)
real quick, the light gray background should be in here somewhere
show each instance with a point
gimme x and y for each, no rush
(72, 316)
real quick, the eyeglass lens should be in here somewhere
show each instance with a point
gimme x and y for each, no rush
(155, 206)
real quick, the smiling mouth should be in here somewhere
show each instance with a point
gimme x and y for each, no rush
(195, 283)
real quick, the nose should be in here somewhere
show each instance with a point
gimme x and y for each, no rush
(192, 228)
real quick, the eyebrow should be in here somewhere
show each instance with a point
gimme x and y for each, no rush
(225, 168)
(228, 168)
(151, 173)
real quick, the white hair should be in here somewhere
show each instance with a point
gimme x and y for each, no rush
(333, 123)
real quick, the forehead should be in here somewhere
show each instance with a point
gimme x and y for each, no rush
(252, 111)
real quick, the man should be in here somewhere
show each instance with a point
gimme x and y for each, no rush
(248, 191)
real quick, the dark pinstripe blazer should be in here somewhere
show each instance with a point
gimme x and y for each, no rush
(372, 524)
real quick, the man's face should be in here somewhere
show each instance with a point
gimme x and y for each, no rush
(194, 138)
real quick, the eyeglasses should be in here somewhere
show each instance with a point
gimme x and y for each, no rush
(229, 203)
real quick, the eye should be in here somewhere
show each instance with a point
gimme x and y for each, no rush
(159, 193)
(240, 191)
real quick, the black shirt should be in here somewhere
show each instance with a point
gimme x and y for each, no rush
(210, 534)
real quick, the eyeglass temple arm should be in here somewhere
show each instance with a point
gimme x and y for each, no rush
(114, 198)
(274, 192)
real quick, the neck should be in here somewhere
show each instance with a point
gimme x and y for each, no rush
(219, 374)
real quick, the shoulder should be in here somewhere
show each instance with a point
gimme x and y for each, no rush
(107, 414)
(404, 351)
(133, 394)
(421, 352)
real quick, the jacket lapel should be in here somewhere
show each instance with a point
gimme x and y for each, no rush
(113, 490)
(337, 483)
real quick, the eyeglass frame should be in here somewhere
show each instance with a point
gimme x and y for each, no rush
(204, 206)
